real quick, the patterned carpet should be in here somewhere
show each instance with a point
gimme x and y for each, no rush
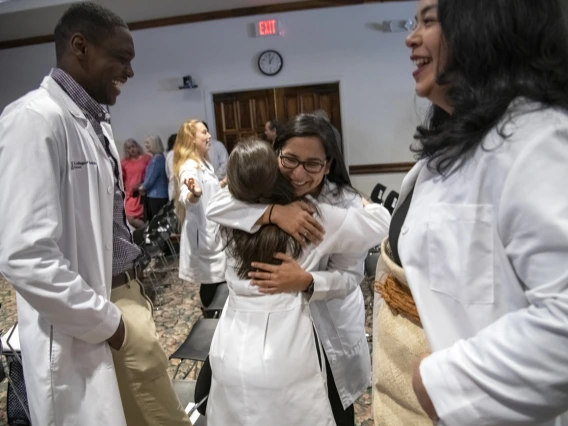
(180, 308)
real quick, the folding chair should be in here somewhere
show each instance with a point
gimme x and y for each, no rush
(157, 237)
(144, 261)
(371, 261)
(197, 344)
(378, 193)
(185, 391)
(218, 303)
(17, 399)
(391, 200)
(158, 241)
(152, 240)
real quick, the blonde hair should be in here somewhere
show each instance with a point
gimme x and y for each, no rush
(185, 149)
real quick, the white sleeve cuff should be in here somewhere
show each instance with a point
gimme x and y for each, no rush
(448, 396)
(105, 329)
(320, 287)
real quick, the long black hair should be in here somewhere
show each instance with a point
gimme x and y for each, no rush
(498, 50)
(172, 141)
(309, 125)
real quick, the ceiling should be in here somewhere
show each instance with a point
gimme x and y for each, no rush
(28, 18)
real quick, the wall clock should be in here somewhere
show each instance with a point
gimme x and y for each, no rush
(270, 62)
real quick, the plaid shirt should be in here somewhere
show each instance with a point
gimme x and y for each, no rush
(124, 251)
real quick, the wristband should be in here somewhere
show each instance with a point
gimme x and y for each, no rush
(270, 214)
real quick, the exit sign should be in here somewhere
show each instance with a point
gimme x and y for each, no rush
(267, 27)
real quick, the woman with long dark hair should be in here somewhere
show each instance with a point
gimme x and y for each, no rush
(267, 368)
(481, 229)
(309, 159)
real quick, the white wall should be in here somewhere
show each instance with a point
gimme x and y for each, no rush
(378, 105)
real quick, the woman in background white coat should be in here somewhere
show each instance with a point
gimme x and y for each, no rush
(202, 259)
(485, 239)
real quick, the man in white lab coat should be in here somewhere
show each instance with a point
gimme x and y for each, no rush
(65, 243)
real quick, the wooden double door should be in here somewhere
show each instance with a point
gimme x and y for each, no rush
(239, 115)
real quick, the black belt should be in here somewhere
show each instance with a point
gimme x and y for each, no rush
(126, 276)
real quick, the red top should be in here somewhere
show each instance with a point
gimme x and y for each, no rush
(133, 171)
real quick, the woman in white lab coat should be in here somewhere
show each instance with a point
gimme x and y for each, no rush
(309, 158)
(267, 369)
(202, 260)
(484, 241)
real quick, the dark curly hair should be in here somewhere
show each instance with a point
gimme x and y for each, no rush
(498, 50)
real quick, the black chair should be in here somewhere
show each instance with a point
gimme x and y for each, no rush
(139, 236)
(197, 344)
(203, 386)
(153, 240)
(17, 409)
(185, 391)
(218, 303)
(378, 193)
(371, 261)
(391, 200)
(157, 242)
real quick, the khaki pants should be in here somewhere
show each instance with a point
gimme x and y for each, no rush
(146, 390)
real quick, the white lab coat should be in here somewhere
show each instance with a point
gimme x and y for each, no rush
(485, 253)
(337, 306)
(263, 355)
(56, 249)
(202, 259)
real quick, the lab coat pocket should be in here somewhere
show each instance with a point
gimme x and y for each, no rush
(348, 318)
(210, 238)
(91, 356)
(461, 252)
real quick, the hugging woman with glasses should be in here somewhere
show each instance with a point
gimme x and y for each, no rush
(266, 365)
(309, 159)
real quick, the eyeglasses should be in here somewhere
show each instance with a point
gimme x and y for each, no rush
(310, 166)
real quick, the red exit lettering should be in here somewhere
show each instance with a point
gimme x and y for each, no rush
(267, 27)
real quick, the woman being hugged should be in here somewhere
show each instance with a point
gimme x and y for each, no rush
(267, 368)
(310, 161)
(202, 260)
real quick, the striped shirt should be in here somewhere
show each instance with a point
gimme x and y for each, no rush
(124, 251)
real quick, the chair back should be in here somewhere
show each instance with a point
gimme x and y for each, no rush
(378, 193)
